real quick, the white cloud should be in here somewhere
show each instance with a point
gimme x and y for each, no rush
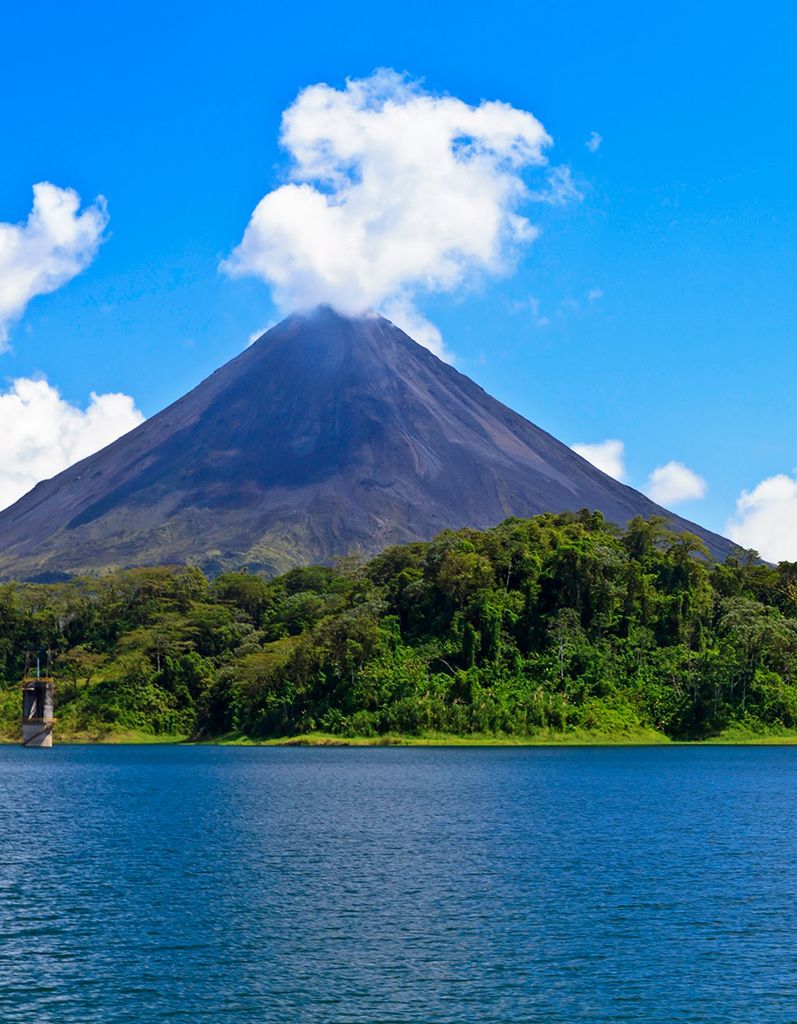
(401, 311)
(540, 318)
(54, 244)
(534, 306)
(673, 483)
(766, 519)
(608, 456)
(256, 335)
(594, 141)
(394, 192)
(43, 434)
(559, 188)
(594, 294)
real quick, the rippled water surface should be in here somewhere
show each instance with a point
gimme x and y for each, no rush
(393, 885)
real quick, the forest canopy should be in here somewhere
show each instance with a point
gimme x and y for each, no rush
(556, 625)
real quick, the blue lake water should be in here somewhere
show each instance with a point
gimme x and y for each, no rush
(206, 884)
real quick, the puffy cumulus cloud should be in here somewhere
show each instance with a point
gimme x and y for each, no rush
(766, 519)
(55, 243)
(43, 434)
(608, 456)
(673, 483)
(395, 191)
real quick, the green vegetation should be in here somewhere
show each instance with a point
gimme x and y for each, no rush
(555, 628)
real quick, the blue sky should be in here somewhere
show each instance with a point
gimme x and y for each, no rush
(684, 236)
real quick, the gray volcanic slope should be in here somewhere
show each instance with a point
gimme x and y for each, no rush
(327, 435)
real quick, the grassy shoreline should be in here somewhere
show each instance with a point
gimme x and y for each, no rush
(108, 737)
(735, 736)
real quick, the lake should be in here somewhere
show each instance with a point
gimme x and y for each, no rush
(461, 885)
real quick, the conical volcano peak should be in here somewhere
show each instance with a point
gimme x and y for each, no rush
(329, 434)
(309, 348)
(325, 318)
(324, 325)
(325, 314)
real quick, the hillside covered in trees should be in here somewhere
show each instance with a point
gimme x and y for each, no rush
(559, 625)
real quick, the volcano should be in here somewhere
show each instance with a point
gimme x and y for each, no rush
(327, 436)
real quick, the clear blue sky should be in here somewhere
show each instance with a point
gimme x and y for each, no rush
(686, 228)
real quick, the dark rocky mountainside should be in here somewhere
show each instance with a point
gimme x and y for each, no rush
(326, 436)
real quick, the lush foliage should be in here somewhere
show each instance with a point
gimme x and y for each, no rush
(557, 623)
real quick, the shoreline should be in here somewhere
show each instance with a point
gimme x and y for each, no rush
(644, 738)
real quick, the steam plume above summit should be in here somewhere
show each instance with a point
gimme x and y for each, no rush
(394, 191)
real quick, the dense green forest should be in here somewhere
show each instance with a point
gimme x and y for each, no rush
(558, 625)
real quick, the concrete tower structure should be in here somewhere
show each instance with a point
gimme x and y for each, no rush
(37, 712)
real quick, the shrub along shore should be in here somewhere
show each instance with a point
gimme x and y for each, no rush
(556, 629)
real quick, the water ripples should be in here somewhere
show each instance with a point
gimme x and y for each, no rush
(437, 886)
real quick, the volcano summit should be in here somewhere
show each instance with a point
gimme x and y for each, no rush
(327, 435)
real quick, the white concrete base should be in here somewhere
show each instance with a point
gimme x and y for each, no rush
(37, 734)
